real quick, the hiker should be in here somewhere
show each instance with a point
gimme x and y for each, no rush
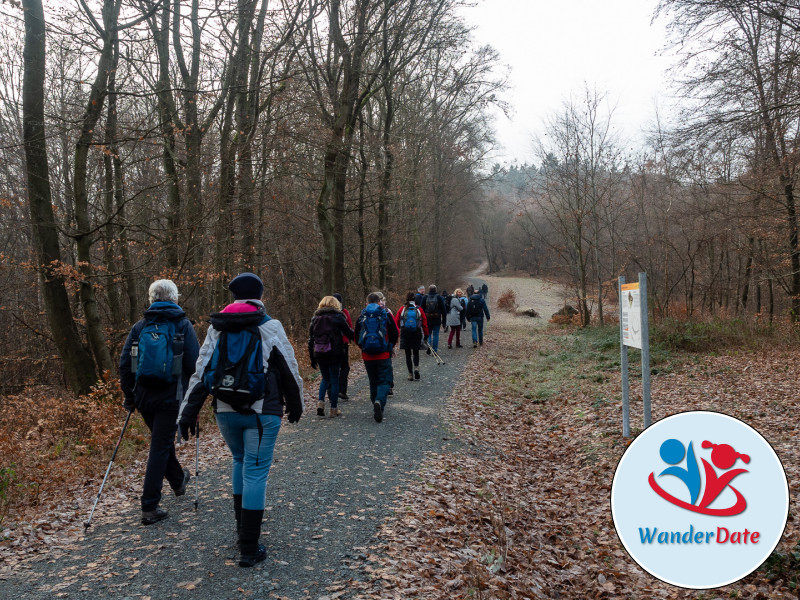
(419, 295)
(435, 313)
(344, 366)
(154, 369)
(248, 365)
(485, 292)
(470, 290)
(455, 315)
(393, 353)
(328, 328)
(376, 335)
(476, 309)
(413, 328)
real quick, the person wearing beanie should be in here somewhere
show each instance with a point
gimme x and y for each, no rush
(344, 366)
(249, 427)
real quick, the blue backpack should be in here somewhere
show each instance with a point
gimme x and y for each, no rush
(411, 320)
(235, 373)
(157, 356)
(372, 338)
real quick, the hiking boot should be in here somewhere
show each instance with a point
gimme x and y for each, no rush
(250, 551)
(416, 374)
(411, 377)
(321, 409)
(335, 412)
(474, 344)
(153, 516)
(459, 346)
(377, 411)
(180, 491)
(428, 351)
(343, 396)
(449, 346)
(251, 560)
(481, 343)
(390, 392)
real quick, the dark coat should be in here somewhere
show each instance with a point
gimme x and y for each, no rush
(435, 311)
(484, 310)
(334, 323)
(167, 398)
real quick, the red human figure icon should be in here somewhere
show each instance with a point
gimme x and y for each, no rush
(724, 457)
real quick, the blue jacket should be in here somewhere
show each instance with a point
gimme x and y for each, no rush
(484, 310)
(149, 399)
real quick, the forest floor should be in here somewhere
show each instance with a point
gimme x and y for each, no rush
(490, 478)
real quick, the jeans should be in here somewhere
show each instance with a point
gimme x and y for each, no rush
(477, 330)
(409, 352)
(161, 462)
(241, 434)
(379, 374)
(330, 383)
(344, 370)
(433, 338)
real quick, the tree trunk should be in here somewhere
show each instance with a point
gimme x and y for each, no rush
(78, 363)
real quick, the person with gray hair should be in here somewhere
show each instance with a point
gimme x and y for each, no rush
(157, 360)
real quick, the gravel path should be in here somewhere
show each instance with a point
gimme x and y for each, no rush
(331, 484)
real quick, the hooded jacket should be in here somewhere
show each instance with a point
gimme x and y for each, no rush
(334, 323)
(455, 309)
(167, 398)
(283, 383)
(411, 339)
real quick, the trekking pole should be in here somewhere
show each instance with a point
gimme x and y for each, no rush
(196, 462)
(108, 470)
(439, 359)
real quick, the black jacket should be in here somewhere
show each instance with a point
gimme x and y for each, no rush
(333, 323)
(435, 311)
(168, 398)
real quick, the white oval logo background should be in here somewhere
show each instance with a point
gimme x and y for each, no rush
(686, 559)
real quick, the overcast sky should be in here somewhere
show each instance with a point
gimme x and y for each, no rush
(554, 48)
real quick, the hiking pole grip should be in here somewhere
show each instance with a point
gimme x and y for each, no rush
(108, 470)
(196, 462)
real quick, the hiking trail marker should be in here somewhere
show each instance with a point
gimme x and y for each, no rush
(634, 332)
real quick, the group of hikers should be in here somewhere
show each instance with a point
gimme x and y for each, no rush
(248, 366)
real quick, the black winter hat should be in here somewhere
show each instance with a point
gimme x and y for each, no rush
(246, 286)
(339, 298)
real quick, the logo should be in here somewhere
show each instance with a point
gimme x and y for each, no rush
(699, 500)
(723, 457)
(227, 380)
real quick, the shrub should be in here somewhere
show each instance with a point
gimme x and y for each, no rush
(507, 300)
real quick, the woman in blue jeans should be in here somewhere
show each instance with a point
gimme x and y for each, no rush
(325, 349)
(233, 364)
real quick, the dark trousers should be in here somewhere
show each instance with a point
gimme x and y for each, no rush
(161, 462)
(409, 352)
(344, 370)
(379, 373)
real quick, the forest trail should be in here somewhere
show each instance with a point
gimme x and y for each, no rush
(332, 483)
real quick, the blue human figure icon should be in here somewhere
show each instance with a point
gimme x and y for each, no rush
(672, 453)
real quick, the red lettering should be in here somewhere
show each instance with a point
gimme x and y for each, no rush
(720, 539)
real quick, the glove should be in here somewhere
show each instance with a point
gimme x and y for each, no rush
(294, 417)
(129, 405)
(188, 428)
(445, 327)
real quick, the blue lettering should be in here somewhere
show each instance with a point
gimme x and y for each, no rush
(646, 535)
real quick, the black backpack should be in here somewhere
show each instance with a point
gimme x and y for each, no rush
(474, 307)
(323, 335)
(432, 307)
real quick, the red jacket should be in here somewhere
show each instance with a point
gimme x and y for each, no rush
(349, 322)
(423, 318)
